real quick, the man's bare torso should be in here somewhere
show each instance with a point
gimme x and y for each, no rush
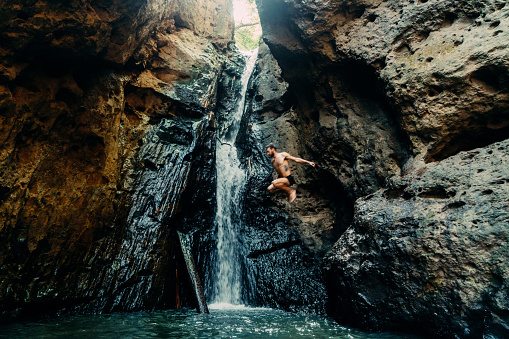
(281, 165)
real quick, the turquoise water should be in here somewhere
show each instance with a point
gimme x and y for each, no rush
(238, 322)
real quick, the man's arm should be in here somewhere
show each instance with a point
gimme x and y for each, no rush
(299, 160)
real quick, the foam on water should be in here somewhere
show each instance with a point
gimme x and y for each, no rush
(228, 306)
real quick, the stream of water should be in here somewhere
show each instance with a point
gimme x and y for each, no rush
(230, 182)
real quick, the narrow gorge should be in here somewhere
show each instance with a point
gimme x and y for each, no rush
(126, 124)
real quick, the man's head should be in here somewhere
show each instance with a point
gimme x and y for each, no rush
(271, 150)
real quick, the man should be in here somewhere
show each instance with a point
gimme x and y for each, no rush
(285, 178)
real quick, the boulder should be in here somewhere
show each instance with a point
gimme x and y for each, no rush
(429, 253)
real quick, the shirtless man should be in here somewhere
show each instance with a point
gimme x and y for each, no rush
(285, 179)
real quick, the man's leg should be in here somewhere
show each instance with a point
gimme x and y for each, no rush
(284, 185)
(292, 196)
(272, 188)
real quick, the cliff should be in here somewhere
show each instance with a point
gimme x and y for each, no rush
(401, 105)
(107, 147)
(429, 252)
(98, 99)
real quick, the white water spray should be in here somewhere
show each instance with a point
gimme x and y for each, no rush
(230, 183)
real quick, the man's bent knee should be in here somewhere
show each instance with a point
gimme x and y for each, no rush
(279, 184)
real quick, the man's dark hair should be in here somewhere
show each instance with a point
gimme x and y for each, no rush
(270, 146)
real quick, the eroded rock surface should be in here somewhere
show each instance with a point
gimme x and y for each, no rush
(440, 65)
(375, 90)
(92, 96)
(430, 251)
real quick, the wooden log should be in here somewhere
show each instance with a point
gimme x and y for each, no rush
(193, 273)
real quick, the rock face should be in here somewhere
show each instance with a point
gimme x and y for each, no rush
(92, 95)
(375, 92)
(107, 143)
(271, 118)
(401, 62)
(284, 244)
(430, 251)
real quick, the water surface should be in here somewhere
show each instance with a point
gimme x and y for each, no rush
(229, 322)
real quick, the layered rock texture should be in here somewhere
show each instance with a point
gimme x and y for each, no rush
(431, 250)
(107, 142)
(386, 97)
(104, 123)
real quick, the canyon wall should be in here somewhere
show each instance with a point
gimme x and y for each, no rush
(98, 101)
(107, 146)
(401, 105)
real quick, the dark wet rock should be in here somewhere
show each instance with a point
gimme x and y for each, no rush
(286, 274)
(430, 252)
(228, 91)
(197, 206)
(138, 277)
(376, 89)
(268, 87)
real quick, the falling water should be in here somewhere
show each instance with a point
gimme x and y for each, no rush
(230, 183)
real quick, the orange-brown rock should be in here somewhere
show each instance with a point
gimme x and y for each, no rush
(81, 83)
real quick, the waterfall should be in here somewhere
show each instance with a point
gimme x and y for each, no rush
(230, 183)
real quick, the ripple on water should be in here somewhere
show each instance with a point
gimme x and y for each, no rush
(224, 321)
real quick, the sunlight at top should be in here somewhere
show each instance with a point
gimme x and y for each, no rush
(244, 12)
(247, 24)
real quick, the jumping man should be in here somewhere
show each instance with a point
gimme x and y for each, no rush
(285, 179)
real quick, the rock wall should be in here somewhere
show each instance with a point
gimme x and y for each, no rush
(284, 243)
(84, 87)
(430, 252)
(389, 98)
(376, 91)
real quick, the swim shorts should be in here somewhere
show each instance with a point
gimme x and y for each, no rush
(291, 179)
